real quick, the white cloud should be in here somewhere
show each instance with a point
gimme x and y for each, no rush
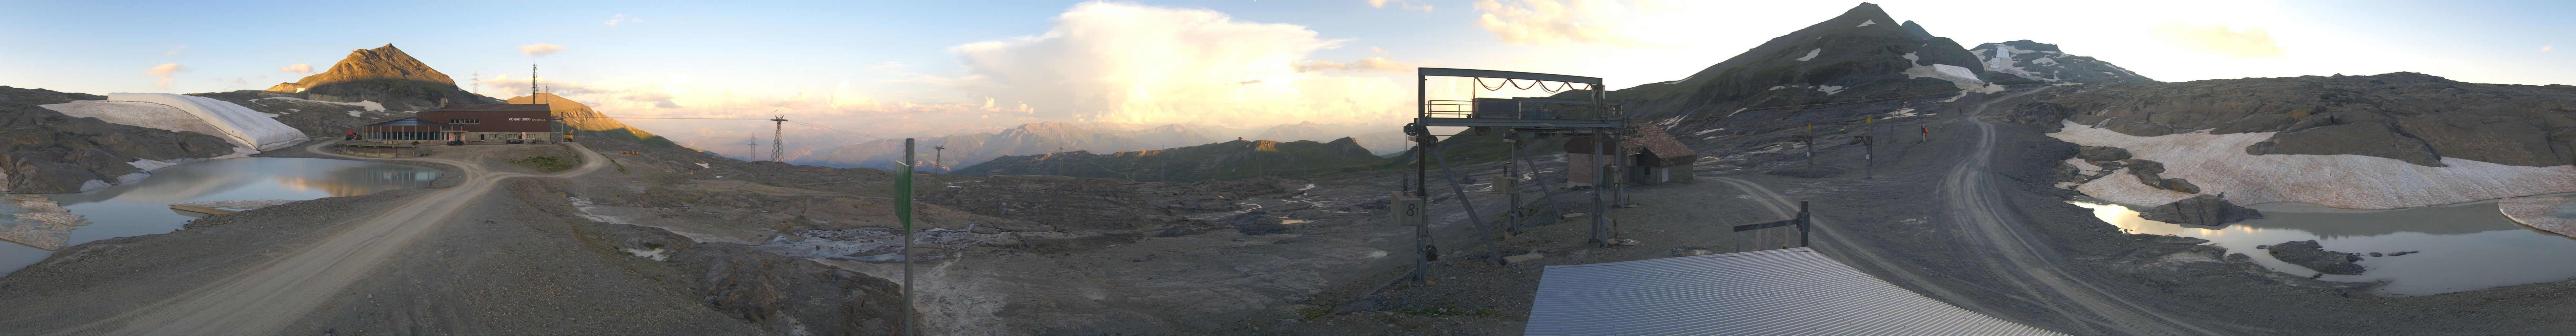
(2220, 40)
(301, 68)
(1399, 4)
(540, 49)
(889, 66)
(1129, 63)
(1554, 22)
(174, 51)
(164, 71)
(1377, 64)
(621, 18)
(2545, 48)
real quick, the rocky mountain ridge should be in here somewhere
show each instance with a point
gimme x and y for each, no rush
(384, 75)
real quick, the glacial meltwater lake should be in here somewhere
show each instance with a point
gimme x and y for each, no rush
(2466, 246)
(143, 207)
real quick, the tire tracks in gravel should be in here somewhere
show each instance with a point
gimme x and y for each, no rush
(265, 298)
(1978, 218)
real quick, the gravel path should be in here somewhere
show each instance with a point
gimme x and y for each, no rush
(264, 298)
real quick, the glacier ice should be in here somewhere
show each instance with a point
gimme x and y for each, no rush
(241, 125)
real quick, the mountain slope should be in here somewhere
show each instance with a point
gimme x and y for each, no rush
(588, 124)
(2044, 62)
(384, 75)
(1861, 55)
(1218, 161)
(2407, 116)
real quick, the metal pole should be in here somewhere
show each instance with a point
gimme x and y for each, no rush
(1600, 180)
(1470, 206)
(903, 208)
(1421, 161)
(1802, 223)
(1512, 213)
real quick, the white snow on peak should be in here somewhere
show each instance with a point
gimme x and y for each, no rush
(1829, 89)
(2001, 60)
(2044, 61)
(2050, 52)
(245, 127)
(1811, 54)
(1866, 23)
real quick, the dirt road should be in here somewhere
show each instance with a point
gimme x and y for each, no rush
(262, 299)
(1979, 220)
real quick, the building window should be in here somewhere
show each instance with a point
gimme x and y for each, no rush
(464, 121)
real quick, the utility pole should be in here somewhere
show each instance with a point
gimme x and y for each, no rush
(903, 212)
(778, 140)
(751, 145)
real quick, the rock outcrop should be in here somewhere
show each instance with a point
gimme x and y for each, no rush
(2313, 256)
(43, 96)
(383, 75)
(2211, 210)
(1256, 223)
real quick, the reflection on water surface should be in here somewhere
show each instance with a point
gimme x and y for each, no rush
(142, 207)
(2466, 246)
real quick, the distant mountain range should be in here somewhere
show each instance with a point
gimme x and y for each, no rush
(590, 124)
(1218, 161)
(1052, 137)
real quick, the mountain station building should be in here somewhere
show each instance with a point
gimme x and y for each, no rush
(471, 123)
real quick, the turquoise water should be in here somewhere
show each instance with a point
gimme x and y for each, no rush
(2467, 246)
(143, 207)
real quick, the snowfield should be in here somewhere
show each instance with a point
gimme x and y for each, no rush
(2217, 163)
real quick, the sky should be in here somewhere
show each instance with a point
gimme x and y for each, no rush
(906, 68)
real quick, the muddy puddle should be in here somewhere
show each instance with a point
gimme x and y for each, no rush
(2467, 246)
(143, 207)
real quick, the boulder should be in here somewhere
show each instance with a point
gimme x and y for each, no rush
(2313, 256)
(2211, 210)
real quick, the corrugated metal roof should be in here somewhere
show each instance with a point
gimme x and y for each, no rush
(408, 122)
(1777, 292)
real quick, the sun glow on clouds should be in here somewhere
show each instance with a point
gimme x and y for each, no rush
(1129, 63)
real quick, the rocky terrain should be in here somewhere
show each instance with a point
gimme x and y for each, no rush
(43, 151)
(2045, 63)
(2407, 116)
(1218, 161)
(384, 75)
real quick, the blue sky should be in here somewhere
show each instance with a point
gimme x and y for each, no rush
(903, 68)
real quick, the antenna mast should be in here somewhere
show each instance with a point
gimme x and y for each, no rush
(532, 84)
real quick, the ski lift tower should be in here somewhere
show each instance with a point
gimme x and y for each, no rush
(1588, 114)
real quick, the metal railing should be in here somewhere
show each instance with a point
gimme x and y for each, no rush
(1523, 109)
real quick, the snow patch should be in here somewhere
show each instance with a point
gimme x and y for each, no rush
(704, 165)
(2217, 163)
(655, 254)
(1811, 54)
(1705, 132)
(150, 165)
(1830, 89)
(1901, 113)
(1866, 23)
(93, 185)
